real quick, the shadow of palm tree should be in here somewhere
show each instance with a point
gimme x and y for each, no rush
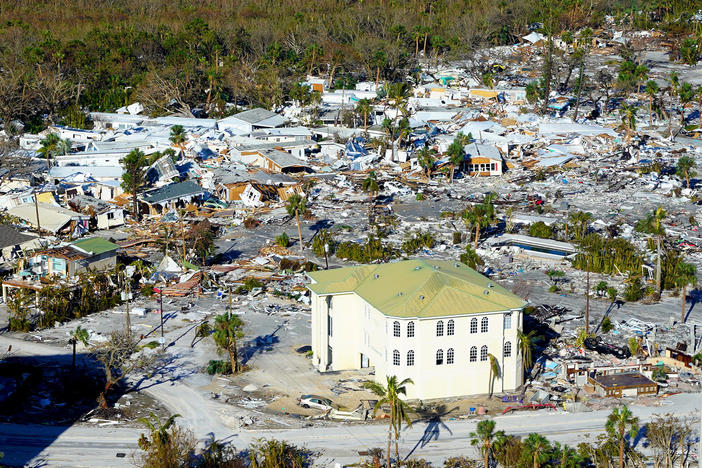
(435, 425)
(259, 345)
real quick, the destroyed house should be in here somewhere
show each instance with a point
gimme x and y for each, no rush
(433, 321)
(230, 185)
(482, 160)
(172, 196)
(12, 242)
(52, 218)
(623, 384)
(280, 161)
(103, 215)
(247, 121)
(93, 253)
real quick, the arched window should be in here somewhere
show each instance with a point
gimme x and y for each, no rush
(508, 349)
(508, 321)
(410, 358)
(440, 328)
(450, 328)
(449, 356)
(474, 325)
(410, 330)
(396, 328)
(483, 353)
(439, 357)
(473, 354)
(484, 325)
(395, 358)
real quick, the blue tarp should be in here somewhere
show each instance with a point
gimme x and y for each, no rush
(354, 148)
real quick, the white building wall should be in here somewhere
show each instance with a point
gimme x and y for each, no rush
(358, 328)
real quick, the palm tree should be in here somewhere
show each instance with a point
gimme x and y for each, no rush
(49, 146)
(484, 437)
(397, 94)
(79, 334)
(178, 135)
(159, 431)
(525, 347)
(364, 109)
(620, 423)
(652, 90)
(685, 275)
(653, 224)
(227, 330)
(425, 158)
(629, 119)
(685, 169)
(539, 447)
(494, 373)
(580, 220)
(134, 177)
(482, 214)
(399, 410)
(370, 185)
(296, 205)
(686, 94)
(456, 153)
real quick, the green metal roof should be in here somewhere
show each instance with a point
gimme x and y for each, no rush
(418, 288)
(96, 245)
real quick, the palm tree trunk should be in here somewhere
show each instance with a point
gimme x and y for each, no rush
(682, 307)
(487, 456)
(621, 451)
(387, 461)
(135, 205)
(658, 264)
(650, 111)
(477, 236)
(73, 365)
(232, 359)
(451, 179)
(536, 459)
(299, 230)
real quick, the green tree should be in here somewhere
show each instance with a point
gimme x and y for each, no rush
(480, 215)
(391, 395)
(178, 135)
(51, 146)
(134, 177)
(456, 153)
(78, 334)
(297, 205)
(537, 449)
(525, 346)
(685, 275)
(620, 423)
(686, 169)
(370, 185)
(484, 438)
(653, 224)
(689, 51)
(425, 159)
(540, 229)
(652, 91)
(228, 329)
(628, 114)
(364, 108)
(686, 94)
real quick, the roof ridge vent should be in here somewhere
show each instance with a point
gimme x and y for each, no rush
(490, 285)
(486, 292)
(421, 297)
(417, 268)
(436, 267)
(376, 276)
(399, 293)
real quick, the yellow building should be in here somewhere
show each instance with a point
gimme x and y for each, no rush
(435, 322)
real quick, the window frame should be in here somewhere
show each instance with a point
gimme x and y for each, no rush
(440, 328)
(410, 329)
(507, 349)
(410, 357)
(396, 329)
(473, 354)
(484, 353)
(395, 357)
(450, 356)
(450, 328)
(484, 325)
(439, 357)
(473, 325)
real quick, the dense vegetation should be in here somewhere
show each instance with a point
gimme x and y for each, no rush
(61, 57)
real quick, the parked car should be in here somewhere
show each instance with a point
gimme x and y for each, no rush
(314, 401)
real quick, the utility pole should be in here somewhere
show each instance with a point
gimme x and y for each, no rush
(326, 255)
(129, 293)
(163, 339)
(229, 300)
(36, 209)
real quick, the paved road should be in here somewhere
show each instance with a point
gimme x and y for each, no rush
(434, 441)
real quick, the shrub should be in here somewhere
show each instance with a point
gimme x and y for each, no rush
(219, 367)
(147, 291)
(373, 249)
(283, 240)
(457, 237)
(471, 258)
(420, 196)
(416, 241)
(540, 229)
(607, 325)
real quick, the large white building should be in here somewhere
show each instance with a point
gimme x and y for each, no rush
(432, 321)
